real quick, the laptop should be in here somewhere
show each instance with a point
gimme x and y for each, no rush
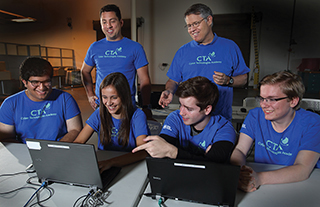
(195, 181)
(69, 163)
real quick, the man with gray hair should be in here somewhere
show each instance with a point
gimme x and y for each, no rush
(216, 58)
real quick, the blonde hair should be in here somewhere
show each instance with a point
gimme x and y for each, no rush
(290, 84)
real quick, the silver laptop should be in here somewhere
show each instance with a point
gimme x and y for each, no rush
(69, 163)
(195, 181)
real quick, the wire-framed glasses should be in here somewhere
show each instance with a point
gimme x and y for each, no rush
(194, 24)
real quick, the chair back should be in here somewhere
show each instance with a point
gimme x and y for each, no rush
(311, 104)
(250, 102)
(154, 127)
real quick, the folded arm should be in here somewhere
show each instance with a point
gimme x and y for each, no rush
(250, 180)
(300, 170)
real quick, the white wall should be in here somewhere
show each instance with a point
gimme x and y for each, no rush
(163, 31)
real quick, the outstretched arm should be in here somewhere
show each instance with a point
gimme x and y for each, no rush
(157, 147)
(218, 152)
(84, 135)
(125, 159)
(167, 95)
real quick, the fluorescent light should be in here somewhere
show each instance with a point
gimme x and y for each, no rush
(26, 19)
(20, 17)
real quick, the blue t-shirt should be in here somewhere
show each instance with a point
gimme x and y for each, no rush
(221, 55)
(138, 126)
(125, 56)
(218, 129)
(39, 120)
(282, 148)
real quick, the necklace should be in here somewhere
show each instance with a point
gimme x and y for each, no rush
(283, 128)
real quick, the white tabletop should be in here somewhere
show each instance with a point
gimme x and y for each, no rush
(125, 190)
(305, 193)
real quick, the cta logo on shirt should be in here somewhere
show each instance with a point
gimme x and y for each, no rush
(113, 53)
(205, 59)
(202, 144)
(40, 113)
(114, 132)
(277, 148)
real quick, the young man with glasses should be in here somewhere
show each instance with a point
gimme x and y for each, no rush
(116, 53)
(208, 55)
(39, 112)
(283, 133)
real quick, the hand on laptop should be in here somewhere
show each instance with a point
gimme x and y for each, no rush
(157, 147)
(249, 180)
(104, 165)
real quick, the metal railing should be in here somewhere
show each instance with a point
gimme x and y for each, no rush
(58, 57)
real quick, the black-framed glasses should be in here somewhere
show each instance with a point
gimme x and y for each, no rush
(269, 100)
(194, 24)
(35, 83)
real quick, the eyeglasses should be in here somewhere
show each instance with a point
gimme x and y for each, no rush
(194, 24)
(35, 83)
(269, 100)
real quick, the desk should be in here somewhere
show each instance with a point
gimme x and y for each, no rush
(126, 189)
(305, 193)
(128, 186)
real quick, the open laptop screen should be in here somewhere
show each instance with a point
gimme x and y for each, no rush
(71, 163)
(196, 181)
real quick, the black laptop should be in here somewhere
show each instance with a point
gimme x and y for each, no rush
(69, 163)
(195, 181)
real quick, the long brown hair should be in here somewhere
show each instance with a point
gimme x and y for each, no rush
(121, 85)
